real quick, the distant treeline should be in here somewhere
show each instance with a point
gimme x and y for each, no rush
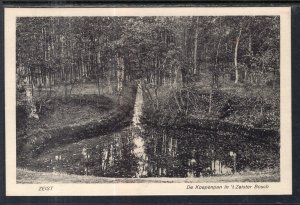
(160, 50)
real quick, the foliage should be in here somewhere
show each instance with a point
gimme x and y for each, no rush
(41, 136)
(158, 49)
(258, 107)
(186, 67)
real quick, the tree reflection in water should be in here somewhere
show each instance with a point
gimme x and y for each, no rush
(165, 153)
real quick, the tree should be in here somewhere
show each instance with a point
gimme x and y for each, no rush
(111, 51)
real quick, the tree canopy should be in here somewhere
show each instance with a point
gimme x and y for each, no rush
(159, 50)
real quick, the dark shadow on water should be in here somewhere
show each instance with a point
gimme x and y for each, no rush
(161, 152)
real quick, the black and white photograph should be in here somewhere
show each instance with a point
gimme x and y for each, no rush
(150, 99)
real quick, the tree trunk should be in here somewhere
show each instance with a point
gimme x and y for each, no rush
(215, 72)
(50, 83)
(120, 73)
(262, 106)
(110, 90)
(205, 57)
(97, 73)
(184, 70)
(236, 55)
(196, 47)
(250, 57)
(210, 101)
(274, 80)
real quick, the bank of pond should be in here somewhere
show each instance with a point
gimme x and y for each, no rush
(126, 145)
(166, 152)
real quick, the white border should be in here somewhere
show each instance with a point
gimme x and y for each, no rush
(275, 188)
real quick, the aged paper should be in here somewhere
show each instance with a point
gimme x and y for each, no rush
(210, 180)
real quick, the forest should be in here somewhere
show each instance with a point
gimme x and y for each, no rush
(66, 50)
(202, 72)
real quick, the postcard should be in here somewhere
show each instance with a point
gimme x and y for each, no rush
(148, 101)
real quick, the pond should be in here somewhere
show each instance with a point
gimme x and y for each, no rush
(145, 151)
(152, 152)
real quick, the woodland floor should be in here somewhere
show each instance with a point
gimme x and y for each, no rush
(61, 114)
(247, 105)
(76, 110)
(252, 106)
(67, 114)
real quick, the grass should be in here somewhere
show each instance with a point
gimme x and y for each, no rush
(64, 121)
(80, 108)
(63, 114)
(255, 106)
(33, 177)
(66, 114)
(56, 111)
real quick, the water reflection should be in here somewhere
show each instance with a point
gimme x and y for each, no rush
(144, 151)
(160, 153)
(138, 141)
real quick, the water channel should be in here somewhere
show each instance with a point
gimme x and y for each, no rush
(144, 151)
